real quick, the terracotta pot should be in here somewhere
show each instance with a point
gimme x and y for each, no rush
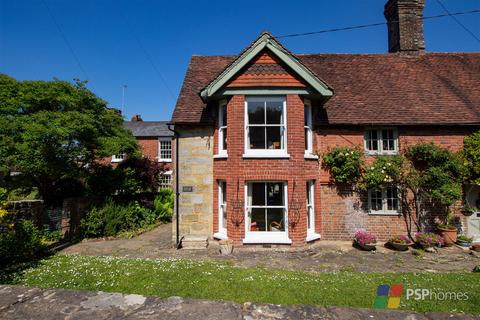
(476, 247)
(449, 236)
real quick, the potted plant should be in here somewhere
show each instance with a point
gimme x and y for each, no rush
(464, 241)
(467, 210)
(427, 240)
(400, 242)
(226, 246)
(364, 240)
(447, 230)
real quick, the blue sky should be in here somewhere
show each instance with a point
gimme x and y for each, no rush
(125, 42)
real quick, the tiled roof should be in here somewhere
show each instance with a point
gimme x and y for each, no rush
(431, 88)
(148, 128)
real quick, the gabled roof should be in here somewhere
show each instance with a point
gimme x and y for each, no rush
(148, 128)
(370, 89)
(265, 42)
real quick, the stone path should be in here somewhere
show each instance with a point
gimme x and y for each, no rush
(324, 256)
(32, 303)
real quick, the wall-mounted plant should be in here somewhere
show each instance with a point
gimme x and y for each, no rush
(345, 164)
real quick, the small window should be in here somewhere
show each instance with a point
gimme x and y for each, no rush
(381, 141)
(384, 200)
(222, 128)
(166, 180)
(118, 157)
(265, 125)
(165, 150)
(308, 128)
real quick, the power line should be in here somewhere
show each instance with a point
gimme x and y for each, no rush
(458, 21)
(64, 37)
(373, 25)
(147, 55)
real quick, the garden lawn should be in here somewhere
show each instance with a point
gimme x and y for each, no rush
(214, 280)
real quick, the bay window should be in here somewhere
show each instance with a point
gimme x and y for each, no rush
(385, 200)
(265, 126)
(222, 211)
(266, 213)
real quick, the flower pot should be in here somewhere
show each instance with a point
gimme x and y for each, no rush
(366, 246)
(399, 246)
(476, 247)
(449, 236)
(226, 248)
(464, 243)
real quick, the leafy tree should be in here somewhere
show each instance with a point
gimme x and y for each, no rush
(55, 130)
(471, 157)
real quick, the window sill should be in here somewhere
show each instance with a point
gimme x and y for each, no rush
(164, 160)
(220, 156)
(312, 237)
(266, 154)
(220, 236)
(310, 156)
(267, 238)
(384, 213)
(383, 153)
(117, 161)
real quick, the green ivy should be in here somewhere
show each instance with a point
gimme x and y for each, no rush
(471, 157)
(345, 164)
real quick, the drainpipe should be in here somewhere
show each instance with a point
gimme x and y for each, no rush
(177, 190)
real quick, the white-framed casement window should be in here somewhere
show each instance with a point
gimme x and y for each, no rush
(385, 200)
(265, 126)
(166, 180)
(311, 234)
(118, 157)
(164, 150)
(222, 128)
(266, 213)
(381, 141)
(308, 125)
(222, 211)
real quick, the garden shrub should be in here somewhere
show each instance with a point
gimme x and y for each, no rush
(164, 205)
(113, 218)
(345, 164)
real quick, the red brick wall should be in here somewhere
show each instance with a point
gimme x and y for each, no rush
(236, 170)
(344, 211)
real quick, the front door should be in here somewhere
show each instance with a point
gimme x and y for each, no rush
(473, 221)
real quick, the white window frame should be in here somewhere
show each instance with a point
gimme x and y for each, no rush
(160, 158)
(166, 173)
(384, 210)
(265, 153)
(118, 157)
(310, 205)
(380, 150)
(222, 126)
(266, 237)
(222, 209)
(309, 127)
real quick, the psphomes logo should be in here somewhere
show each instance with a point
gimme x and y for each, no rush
(388, 296)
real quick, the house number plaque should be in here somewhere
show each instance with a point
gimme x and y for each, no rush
(187, 189)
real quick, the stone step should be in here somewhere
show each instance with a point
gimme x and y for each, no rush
(195, 242)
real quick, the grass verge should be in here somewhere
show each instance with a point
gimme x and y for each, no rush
(216, 280)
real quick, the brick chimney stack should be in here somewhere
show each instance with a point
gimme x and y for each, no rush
(137, 118)
(405, 26)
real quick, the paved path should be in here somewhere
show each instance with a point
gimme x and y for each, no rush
(32, 303)
(324, 256)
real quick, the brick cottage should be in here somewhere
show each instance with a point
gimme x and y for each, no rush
(249, 128)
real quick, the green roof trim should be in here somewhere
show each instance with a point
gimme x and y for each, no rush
(266, 41)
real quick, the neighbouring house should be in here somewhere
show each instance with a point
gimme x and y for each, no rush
(250, 128)
(155, 141)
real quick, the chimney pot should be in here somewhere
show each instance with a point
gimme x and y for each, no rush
(137, 118)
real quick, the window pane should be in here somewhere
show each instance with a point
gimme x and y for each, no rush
(258, 194)
(258, 220)
(275, 217)
(274, 137)
(388, 140)
(306, 116)
(274, 112)
(257, 137)
(224, 209)
(275, 194)
(256, 112)
(224, 116)
(376, 200)
(392, 198)
(224, 138)
(224, 193)
(372, 140)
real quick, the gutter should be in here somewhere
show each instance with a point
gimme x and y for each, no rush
(177, 190)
